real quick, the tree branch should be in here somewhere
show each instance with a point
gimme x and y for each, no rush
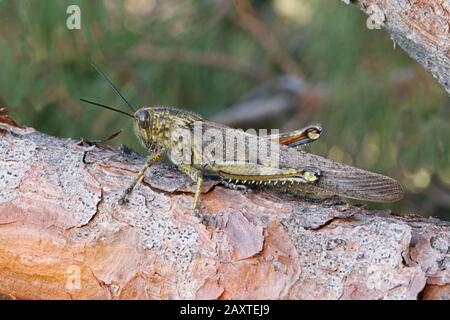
(421, 28)
(246, 18)
(63, 235)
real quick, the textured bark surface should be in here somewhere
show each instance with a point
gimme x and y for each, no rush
(420, 27)
(63, 235)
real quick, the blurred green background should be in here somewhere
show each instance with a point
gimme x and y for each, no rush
(380, 110)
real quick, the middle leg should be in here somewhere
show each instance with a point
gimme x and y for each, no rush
(196, 176)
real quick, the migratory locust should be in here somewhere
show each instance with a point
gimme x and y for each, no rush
(204, 148)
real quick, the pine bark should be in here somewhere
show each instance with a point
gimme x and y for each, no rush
(64, 236)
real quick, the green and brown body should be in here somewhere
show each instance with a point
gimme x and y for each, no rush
(159, 129)
(175, 133)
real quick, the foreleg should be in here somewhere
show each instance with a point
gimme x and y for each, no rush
(152, 159)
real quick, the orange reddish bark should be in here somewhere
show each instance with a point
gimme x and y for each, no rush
(63, 235)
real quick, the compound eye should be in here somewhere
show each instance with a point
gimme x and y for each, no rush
(143, 117)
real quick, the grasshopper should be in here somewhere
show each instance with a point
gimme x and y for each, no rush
(159, 130)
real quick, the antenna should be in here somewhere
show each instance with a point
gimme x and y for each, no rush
(107, 107)
(112, 86)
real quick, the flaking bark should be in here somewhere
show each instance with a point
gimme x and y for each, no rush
(63, 235)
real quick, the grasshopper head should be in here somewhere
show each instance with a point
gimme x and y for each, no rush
(143, 125)
(142, 118)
